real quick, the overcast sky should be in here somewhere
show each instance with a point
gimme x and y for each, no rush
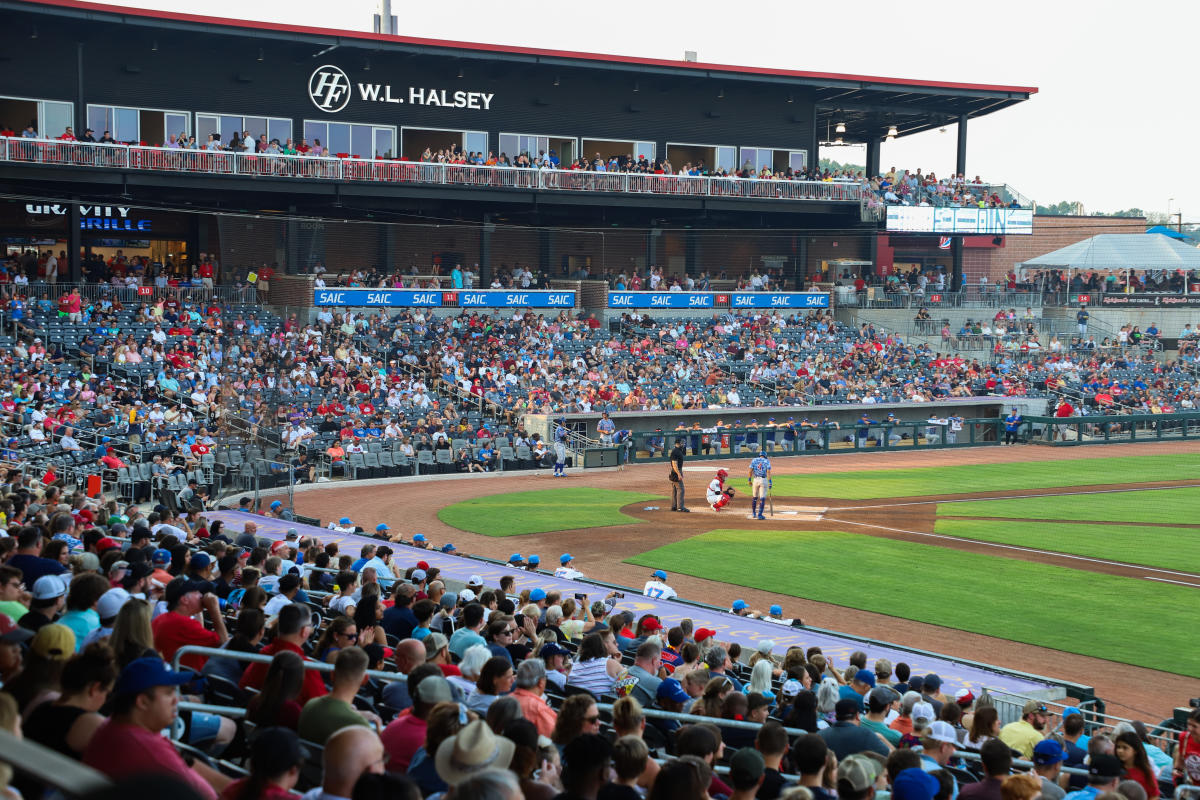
(1113, 125)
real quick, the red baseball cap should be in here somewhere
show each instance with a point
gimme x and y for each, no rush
(650, 623)
(704, 633)
(423, 565)
(105, 543)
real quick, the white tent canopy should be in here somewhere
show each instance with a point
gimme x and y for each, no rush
(1121, 251)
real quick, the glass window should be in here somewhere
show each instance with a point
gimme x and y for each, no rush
(361, 145)
(56, 117)
(726, 158)
(384, 140)
(475, 142)
(176, 124)
(339, 138)
(125, 124)
(509, 144)
(798, 160)
(99, 120)
(229, 125)
(206, 124)
(316, 130)
(257, 127)
(280, 129)
(644, 149)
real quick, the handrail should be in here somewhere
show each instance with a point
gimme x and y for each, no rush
(257, 658)
(359, 170)
(65, 774)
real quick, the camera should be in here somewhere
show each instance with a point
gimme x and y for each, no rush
(581, 596)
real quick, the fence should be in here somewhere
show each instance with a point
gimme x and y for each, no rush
(1112, 429)
(357, 170)
(94, 292)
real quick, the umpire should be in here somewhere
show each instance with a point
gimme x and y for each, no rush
(676, 475)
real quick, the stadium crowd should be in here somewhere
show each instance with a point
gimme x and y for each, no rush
(482, 693)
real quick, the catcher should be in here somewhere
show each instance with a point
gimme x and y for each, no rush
(719, 494)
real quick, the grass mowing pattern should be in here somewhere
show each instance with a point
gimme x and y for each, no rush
(1114, 618)
(968, 478)
(1162, 505)
(1170, 548)
(542, 511)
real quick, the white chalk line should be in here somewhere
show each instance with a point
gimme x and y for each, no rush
(1017, 497)
(1016, 548)
(1167, 580)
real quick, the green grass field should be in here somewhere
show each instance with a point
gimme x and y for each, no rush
(1161, 505)
(969, 478)
(1119, 619)
(542, 511)
(1170, 548)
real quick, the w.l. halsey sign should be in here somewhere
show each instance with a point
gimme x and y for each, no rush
(330, 89)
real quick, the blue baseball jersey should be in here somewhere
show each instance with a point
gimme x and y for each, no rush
(560, 434)
(760, 466)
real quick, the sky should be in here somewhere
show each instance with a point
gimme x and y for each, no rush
(1113, 125)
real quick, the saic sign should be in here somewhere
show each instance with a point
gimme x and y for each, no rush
(660, 300)
(409, 298)
(711, 299)
(330, 90)
(522, 299)
(93, 218)
(779, 300)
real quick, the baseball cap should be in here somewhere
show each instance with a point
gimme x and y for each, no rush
(434, 643)
(381, 527)
(11, 632)
(747, 766)
(537, 594)
(1105, 765)
(448, 548)
(671, 689)
(466, 596)
(435, 688)
(914, 783)
(89, 562)
(1047, 752)
(933, 682)
(550, 649)
(703, 633)
(533, 561)
(859, 771)
(940, 731)
(146, 673)
(105, 543)
(922, 711)
(650, 623)
(200, 561)
(344, 521)
(964, 697)
(865, 676)
(418, 575)
(1034, 707)
(565, 558)
(475, 580)
(292, 533)
(110, 602)
(179, 587)
(846, 708)
(420, 537)
(276, 504)
(658, 573)
(54, 642)
(515, 558)
(48, 587)
(791, 688)
(879, 698)
(739, 605)
(423, 565)
(775, 611)
(161, 556)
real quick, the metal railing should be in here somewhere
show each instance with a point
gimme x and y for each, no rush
(218, 162)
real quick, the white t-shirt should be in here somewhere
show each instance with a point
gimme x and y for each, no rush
(659, 590)
(276, 604)
(567, 573)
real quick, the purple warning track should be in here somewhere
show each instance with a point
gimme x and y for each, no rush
(728, 627)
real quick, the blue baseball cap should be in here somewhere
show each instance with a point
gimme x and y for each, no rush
(671, 689)
(1048, 752)
(515, 558)
(146, 673)
(200, 561)
(865, 676)
(564, 558)
(420, 537)
(537, 595)
(448, 548)
(658, 573)
(776, 611)
(344, 521)
(161, 556)
(770, 419)
(739, 605)
(276, 504)
(381, 527)
(534, 560)
(914, 783)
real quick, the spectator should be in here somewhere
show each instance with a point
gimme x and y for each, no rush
(845, 736)
(48, 597)
(335, 710)
(1131, 752)
(997, 764)
(178, 627)
(350, 753)
(530, 694)
(276, 756)
(68, 724)
(406, 734)
(1048, 758)
(1104, 773)
(473, 750)
(1023, 734)
(292, 630)
(495, 679)
(276, 705)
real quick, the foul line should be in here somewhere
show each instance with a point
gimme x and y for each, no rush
(1018, 548)
(1166, 580)
(1017, 497)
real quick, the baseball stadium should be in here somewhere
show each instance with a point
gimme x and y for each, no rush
(388, 416)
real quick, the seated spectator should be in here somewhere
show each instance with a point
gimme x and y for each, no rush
(335, 710)
(276, 705)
(276, 756)
(292, 630)
(406, 734)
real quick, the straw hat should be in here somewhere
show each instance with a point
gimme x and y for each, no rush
(471, 750)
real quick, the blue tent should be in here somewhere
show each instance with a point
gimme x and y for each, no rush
(1174, 234)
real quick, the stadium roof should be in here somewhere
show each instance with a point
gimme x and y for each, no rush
(866, 104)
(1121, 251)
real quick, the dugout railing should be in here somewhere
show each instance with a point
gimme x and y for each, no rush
(648, 446)
(1112, 428)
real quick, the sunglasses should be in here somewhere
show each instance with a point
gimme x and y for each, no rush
(592, 720)
(352, 636)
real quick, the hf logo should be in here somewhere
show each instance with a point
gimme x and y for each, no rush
(329, 88)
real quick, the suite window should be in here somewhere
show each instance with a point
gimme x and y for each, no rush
(533, 146)
(49, 118)
(226, 125)
(352, 139)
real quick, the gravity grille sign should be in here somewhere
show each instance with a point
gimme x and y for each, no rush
(331, 90)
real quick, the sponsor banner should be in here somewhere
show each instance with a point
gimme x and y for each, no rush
(779, 300)
(986, 221)
(400, 298)
(1148, 300)
(524, 298)
(660, 299)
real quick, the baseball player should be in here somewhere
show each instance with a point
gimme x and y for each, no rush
(719, 494)
(759, 478)
(606, 427)
(565, 569)
(560, 448)
(657, 587)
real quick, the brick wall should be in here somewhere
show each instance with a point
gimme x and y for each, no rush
(1049, 234)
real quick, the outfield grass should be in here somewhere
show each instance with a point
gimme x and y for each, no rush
(542, 511)
(1161, 505)
(920, 481)
(1119, 619)
(1171, 548)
